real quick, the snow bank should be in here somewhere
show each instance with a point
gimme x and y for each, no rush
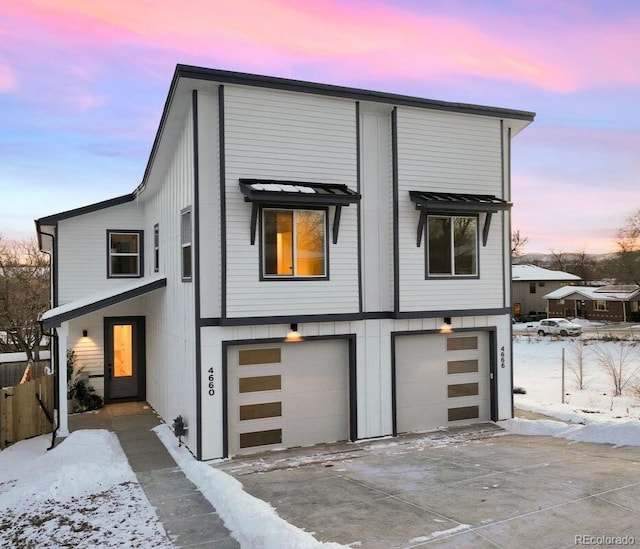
(253, 522)
(626, 433)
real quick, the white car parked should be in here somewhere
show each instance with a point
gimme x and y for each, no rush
(558, 326)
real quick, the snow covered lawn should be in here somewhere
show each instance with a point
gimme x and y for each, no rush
(82, 493)
(538, 370)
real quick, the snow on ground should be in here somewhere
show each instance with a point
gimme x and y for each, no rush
(82, 493)
(538, 370)
(595, 414)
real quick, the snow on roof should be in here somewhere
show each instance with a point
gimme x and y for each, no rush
(535, 273)
(603, 293)
(279, 187)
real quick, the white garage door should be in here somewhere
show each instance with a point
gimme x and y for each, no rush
(287, 394)
(442, 380)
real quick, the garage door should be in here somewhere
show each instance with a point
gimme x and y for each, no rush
(287, 394)
(442, 380)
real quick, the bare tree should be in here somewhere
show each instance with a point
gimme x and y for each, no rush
(627, 262)
(24, 295)
(620, 365)
(576, 363)
(559, 260)
(518, 242)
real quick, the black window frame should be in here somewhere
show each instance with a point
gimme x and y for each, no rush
(452, 275)
(276, 277)
(186, 243)
(140, 254)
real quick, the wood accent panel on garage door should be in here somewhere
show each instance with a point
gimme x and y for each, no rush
(299, 398)
(441, 380)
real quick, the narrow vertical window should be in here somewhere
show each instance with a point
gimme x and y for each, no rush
(185, 243)
(156, 248)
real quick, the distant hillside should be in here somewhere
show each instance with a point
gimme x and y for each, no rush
(550, 259)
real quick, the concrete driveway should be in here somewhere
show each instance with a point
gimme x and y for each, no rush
(473, 487)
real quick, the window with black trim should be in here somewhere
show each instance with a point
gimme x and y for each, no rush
(124, 254)
(294, 243)
(156, 248)
(452, 245)
(185, 243)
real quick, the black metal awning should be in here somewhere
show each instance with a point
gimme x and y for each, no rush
(452, 203)
(268, 192)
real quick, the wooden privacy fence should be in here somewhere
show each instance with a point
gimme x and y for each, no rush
(26, 410)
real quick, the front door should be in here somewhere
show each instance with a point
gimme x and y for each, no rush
(124, 358)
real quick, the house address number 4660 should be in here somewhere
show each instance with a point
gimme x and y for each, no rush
(212, 386)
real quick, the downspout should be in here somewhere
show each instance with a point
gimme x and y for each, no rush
(53, 338)
(56, 374)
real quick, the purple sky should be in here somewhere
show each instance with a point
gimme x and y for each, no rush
(83, 83)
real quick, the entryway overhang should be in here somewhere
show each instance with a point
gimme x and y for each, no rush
(457, 203)
(54, 318)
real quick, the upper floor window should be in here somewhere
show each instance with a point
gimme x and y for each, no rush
(532, 287)
(156, 248)
(185, 243)
(125, 254)
(294, 243)
(452, 245)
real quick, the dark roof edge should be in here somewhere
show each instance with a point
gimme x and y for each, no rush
(58, 319)
(302, 86)
(231, 77)
(53, 219)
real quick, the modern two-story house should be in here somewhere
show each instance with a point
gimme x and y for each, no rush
(301, 263)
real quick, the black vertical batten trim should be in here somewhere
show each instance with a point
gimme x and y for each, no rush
(396, 236)
(55, 268)
(353, 389)
(504, 218)
(359, 207)
(196, 273)
(493, 377)
(225, 401)
(394, 399)
(223, 207)
(508, 156)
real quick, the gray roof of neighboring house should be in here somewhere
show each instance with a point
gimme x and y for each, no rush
(533, 273)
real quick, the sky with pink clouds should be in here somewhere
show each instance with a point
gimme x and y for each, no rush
(83, 84)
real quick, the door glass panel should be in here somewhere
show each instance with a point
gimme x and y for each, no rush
(122, 350)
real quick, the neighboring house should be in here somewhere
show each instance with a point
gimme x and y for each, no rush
(274, 209)
(530, 284)
(614, 303)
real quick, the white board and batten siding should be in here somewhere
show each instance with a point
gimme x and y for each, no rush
(449, 152)
(209, 198)
(170, 322)
(82, 249)
(377, 207)
(278, 135)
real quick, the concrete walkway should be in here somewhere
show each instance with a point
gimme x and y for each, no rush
(187, 516)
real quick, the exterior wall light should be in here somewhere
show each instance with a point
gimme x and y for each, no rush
(85, 333)
(446, 327)
(293, 334)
